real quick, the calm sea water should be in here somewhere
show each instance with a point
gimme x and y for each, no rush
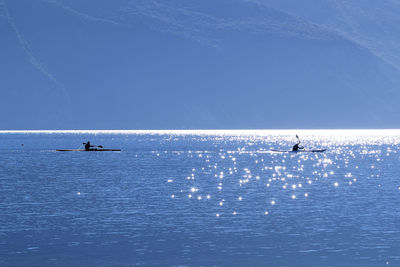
(200, 198)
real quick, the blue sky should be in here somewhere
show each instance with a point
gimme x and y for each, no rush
(140, 64)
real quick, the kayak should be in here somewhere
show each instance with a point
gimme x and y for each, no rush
(93, 149)
(296, 151)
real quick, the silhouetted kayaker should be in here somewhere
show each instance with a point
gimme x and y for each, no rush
(87, 146)
(297, 146)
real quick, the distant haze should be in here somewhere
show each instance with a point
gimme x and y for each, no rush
(210, 64)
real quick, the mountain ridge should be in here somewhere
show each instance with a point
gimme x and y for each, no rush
(185, 64)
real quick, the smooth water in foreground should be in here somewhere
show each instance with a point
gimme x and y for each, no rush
(190, 198)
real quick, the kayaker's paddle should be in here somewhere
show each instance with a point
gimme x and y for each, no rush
(301, 147)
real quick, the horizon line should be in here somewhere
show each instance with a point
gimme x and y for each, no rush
(207, 131)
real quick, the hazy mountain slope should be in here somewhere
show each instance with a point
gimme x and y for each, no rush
(372, 24)
(30, 96)
(185, 64)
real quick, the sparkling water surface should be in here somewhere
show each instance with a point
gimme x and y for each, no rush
(200, 198)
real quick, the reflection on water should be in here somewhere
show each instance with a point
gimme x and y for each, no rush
(200, 198)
